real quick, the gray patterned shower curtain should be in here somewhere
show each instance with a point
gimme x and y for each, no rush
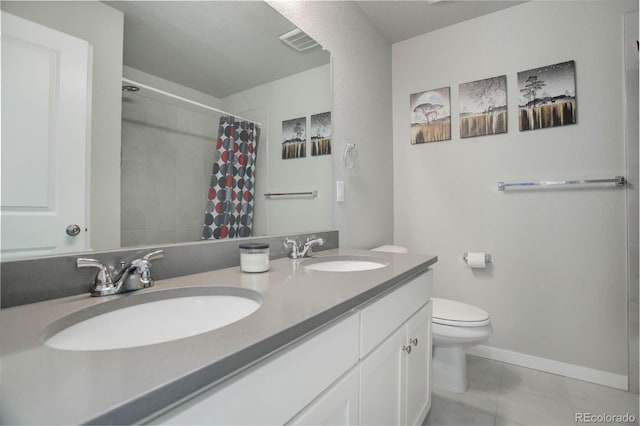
(229, 211)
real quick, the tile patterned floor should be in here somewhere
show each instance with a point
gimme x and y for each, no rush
(504, 394)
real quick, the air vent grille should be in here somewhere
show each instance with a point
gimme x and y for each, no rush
(298, 40)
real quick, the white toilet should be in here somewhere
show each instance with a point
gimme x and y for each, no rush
(455, 327)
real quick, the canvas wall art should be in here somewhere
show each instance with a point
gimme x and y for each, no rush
(430, 119)
(320, 128)
(294, 138)
(483, 107)
(547, 96)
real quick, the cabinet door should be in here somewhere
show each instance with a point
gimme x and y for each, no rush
(276, 389)
(337, 406)
(417, 394)
(380, 382)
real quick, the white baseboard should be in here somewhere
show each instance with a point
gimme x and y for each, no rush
(618, 381)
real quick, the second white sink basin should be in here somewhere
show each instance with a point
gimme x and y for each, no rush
(177, 314)
(344, 263)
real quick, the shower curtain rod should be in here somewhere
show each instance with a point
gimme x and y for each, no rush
(189, 101)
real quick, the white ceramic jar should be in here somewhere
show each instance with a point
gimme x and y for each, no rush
(254, 257)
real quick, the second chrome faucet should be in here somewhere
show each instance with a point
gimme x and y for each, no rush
(299, 250)
(132, 276)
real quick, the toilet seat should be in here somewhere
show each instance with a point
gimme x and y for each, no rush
(458, 314)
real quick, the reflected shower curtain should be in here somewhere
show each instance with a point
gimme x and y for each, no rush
(229, 211)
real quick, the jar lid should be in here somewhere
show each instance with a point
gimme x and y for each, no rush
(254, 246)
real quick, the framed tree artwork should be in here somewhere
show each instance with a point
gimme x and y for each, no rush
(430, 119)
(547, 96)
(294, 138)
(483, 107)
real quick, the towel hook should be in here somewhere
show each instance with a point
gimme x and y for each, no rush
(350, 157)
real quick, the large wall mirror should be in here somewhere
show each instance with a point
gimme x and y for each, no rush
(184, 65)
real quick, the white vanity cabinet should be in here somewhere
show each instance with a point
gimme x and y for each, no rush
(394, 367)
(352, 372)
(394, 375)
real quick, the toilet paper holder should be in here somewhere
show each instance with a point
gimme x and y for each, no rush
(487, 257)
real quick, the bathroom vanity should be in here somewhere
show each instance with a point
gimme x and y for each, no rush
(335, 345)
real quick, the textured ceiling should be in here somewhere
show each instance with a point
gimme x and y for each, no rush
(401, 20)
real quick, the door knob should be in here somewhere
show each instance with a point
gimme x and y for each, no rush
(407, 349)
(73, 230)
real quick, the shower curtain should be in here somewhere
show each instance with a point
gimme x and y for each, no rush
(229, 211)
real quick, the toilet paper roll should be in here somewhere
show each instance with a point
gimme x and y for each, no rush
(476, 260)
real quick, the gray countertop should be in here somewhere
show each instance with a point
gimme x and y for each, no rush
(41, 385)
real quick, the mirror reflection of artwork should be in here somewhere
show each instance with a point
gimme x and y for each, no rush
(547, 96)
(294, 138)
(483, 107)
(321, 134)
(430, 116)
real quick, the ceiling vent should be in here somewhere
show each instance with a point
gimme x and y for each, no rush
(298, 40)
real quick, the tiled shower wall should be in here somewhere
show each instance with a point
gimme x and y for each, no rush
(167, 156)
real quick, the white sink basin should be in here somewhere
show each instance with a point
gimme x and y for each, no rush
(344, 263)
(177, 314)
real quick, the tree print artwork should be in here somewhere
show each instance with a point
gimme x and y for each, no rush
(547, 96)
(430, 119)
(294, 138)
(483, 107)
(321, 134)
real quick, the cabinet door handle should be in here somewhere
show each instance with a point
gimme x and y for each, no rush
(413, 342)
(407, 349)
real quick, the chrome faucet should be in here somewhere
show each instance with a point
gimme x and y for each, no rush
(299, 250)
(132, 276)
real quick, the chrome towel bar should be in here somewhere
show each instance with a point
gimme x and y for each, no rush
(310, 194)
(618, 180)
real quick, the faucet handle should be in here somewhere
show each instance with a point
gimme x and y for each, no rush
(103, 278)
(158, 254)
(291, 243)
(294, 245)
(142, 267)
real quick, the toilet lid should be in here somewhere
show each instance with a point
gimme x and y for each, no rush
(450, 312)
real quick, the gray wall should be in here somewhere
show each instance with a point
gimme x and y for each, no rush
(167, 156)
(361, 114)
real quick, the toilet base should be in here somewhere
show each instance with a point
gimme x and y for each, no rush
(450, 369)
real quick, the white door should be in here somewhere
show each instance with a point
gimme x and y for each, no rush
(380, 382)
(418, 362)
(45, 104)
(337, 406)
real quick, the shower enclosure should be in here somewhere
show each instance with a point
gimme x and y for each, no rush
(168, 153)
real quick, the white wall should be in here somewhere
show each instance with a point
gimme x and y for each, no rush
(102, 26)
(361, 114)
(557, 287)
(299, 95)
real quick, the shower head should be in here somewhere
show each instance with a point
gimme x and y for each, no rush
(130, 88)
